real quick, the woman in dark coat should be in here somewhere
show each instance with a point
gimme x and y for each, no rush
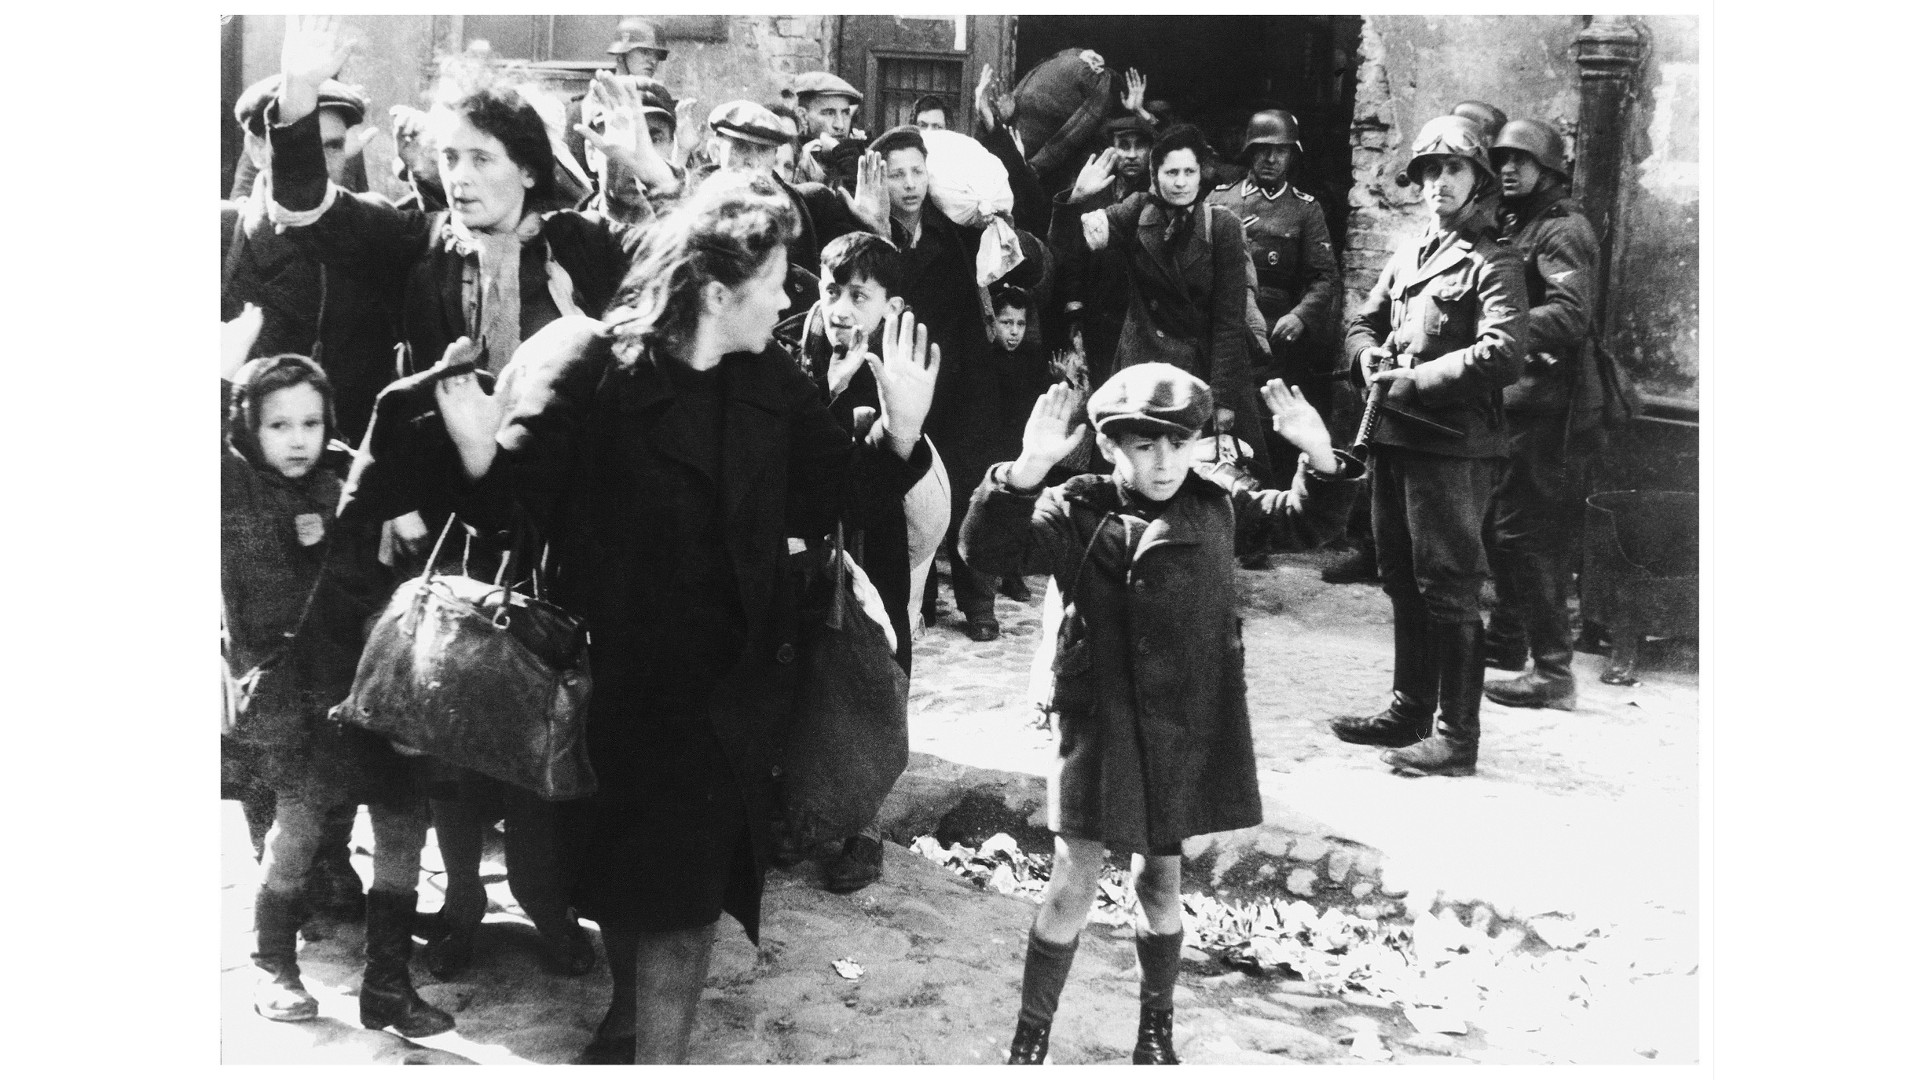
(492, 268)
(668, 455)
(1186, 273)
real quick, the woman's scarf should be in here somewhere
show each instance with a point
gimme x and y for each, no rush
(1179, 220)
(490, 286)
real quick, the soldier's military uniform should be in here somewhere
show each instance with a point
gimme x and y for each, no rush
(1295, 271)
(1554, 433)
(1453, 304)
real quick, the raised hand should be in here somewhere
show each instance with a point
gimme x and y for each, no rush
(237, 336)
(869, 199)
(687, 129)
(471, 415)
(1053, 430)
(983, 98)
(905, 372)
(1136, 96)
(1094, 176)
(311, 52)
(618, 103)
(1070, 366)
(844, 362)
(1297, 422)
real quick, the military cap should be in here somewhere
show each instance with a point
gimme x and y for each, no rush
(814, 83)
(637, 33)
(251, 109)
(747, 121)
(1129, 122)
(1150, 398)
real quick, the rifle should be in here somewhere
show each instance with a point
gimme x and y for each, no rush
(1377, 403)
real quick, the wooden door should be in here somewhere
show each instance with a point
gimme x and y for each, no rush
(896, 59)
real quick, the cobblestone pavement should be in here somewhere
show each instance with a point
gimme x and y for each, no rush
(1553, 898)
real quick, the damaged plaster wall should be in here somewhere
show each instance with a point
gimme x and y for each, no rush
(1653, 318)
(1414, 67)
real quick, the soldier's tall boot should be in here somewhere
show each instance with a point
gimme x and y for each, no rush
(1415, 685)
(1543, 585)
(1507, 626)
(1459, 652)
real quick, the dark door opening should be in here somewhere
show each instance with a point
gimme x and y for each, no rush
(1217, 70)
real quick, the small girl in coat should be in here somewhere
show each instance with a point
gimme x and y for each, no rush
(1153, 742)
(296, 596)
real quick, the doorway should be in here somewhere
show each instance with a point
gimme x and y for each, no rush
(1217, 70)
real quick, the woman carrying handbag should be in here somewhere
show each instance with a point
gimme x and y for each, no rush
(667, 454)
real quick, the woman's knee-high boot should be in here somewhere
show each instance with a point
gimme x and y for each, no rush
(387, 997)
(278, 995)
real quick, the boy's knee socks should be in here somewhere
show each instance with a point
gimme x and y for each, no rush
(1046, 973)
(1159, 966)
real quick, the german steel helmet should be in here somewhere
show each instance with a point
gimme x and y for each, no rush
(1536, 138)
(637, 33)
(1271, 127)
(1449, 136)
(1490, 118)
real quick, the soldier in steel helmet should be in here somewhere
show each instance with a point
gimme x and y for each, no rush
(637, 49)
(1553, 413)
(1445, 329)
(1296, 275)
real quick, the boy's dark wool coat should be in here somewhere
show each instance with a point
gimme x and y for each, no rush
(587, 450)
(1153, 741)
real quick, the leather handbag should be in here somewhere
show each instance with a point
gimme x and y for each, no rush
(480, 675)
(848, 742)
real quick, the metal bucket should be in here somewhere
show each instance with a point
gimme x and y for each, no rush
(1641, 573)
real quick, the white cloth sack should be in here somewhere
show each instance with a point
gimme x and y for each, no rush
(970, 186)
(929, 507)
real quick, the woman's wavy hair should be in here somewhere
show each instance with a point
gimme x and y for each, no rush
(1180, 137)
(724, 232)
(486, 93)
(259, 379)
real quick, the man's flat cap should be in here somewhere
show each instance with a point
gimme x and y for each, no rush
(824, 82)
(747, 121)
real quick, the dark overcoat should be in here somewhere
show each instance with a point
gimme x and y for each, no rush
(1461, 314)
(1187, 306)
(1153, 743)
(588, 451)
(1561, 255)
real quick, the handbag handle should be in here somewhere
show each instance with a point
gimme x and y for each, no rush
(837, 606)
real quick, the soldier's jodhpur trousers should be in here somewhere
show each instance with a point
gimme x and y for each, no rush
(1428, 510)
